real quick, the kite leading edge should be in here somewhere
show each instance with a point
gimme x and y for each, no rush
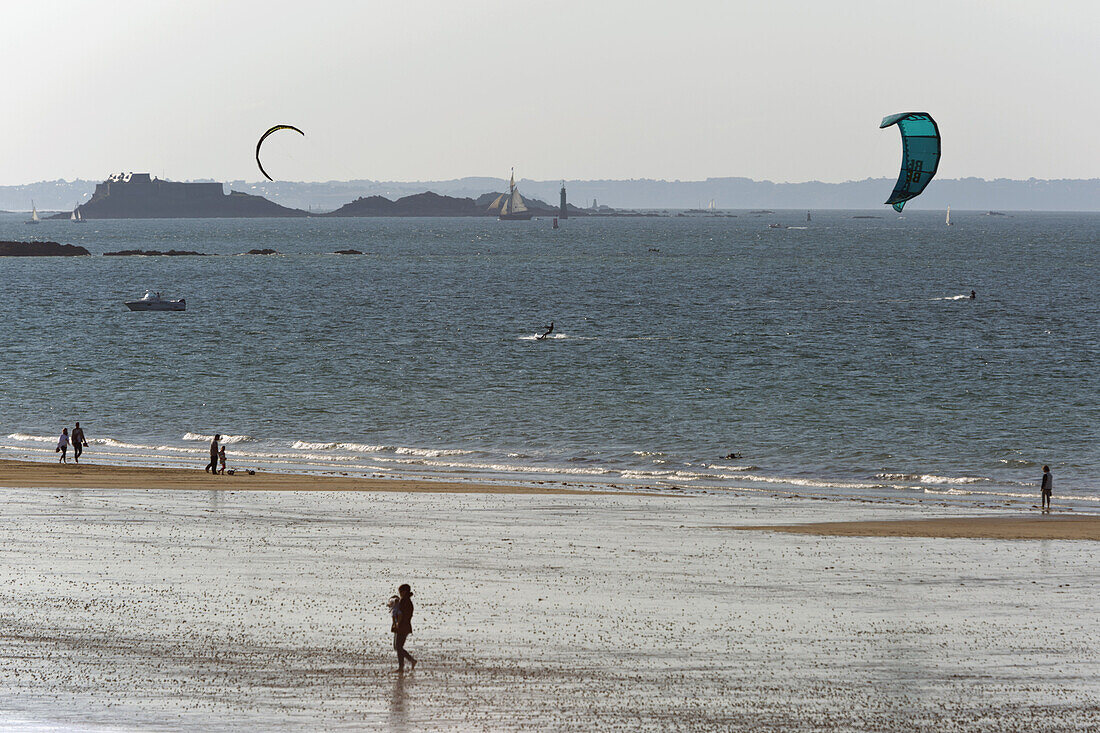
(264, 137)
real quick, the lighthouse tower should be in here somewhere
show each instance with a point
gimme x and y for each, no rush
(563, 212)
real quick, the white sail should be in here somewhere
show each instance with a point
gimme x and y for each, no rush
(34, 213)
(948, 222)
(72, 216)
(516, 204)
(79, 216)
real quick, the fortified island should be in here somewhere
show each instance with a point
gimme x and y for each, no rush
(139, 196)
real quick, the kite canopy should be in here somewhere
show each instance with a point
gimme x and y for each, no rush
(264, 137)
(920, 146)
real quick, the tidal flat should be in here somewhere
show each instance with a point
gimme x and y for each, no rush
(222, 610)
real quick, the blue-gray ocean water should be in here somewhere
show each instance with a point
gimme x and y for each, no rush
(840, 355)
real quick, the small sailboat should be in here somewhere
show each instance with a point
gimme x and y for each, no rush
(808, 216)
(34, 214)
(510, 206)
(948, 222)
(76, 217)
(712, 207)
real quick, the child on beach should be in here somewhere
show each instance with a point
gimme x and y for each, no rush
(394, 612)
(221, 457)
(63, 445)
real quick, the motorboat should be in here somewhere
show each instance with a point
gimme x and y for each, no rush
(154, 302)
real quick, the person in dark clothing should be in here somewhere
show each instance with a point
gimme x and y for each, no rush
(973, 295)
(549, 329)
(212, 467)
(79, 442)
(402, 627)
(1047, 488)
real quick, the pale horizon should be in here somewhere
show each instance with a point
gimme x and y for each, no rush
(436, 91)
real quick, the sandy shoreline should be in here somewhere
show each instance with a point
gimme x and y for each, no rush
(1013, 527)
(35, 475)
(248, 610)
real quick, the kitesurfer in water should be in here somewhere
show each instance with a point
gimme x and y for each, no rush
(548, 330)
(973, 295)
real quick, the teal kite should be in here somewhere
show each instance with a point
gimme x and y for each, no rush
(920, 146)
(264, 137)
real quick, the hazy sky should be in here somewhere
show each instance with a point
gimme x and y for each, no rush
(779, 90)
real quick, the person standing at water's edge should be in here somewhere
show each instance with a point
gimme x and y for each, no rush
(79, 442)
(402, 627)
(63, 445)
(1047, 488)
(212, 467)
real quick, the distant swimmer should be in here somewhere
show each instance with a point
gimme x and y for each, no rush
(973, 295)
(548, 330)
(733, 456)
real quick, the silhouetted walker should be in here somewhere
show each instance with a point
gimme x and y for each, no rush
(63, 445)
(79, 442)
(402, 626)
(212, 467)
(1047, 488)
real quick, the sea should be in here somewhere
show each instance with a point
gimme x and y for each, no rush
(838, 357)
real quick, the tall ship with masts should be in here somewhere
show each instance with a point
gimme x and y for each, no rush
(510, 206)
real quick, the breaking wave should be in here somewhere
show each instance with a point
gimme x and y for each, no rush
(226, 439)
(928, 478)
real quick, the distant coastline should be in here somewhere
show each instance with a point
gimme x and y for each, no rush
(965, 194)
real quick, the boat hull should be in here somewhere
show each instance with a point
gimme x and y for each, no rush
(167, 305)
(521, 216)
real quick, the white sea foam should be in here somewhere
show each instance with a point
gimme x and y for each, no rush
(226, 439)
(540, 337)
(499, 467)
(351, 447)
(954, 297)
(365, 448)
(31, 438)
(929, 478)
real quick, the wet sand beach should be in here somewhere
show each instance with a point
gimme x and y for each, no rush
(34, 474)
(250, 610)
(1014, 526)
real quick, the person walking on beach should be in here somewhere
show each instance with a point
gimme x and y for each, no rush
(212, 467)
(79, 442)
(63, 445)
(1047, 488)
(402, 627)
(221, 459)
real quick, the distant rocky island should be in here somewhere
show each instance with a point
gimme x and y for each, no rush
(434, 204)
(41, 249)
(139, 196)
